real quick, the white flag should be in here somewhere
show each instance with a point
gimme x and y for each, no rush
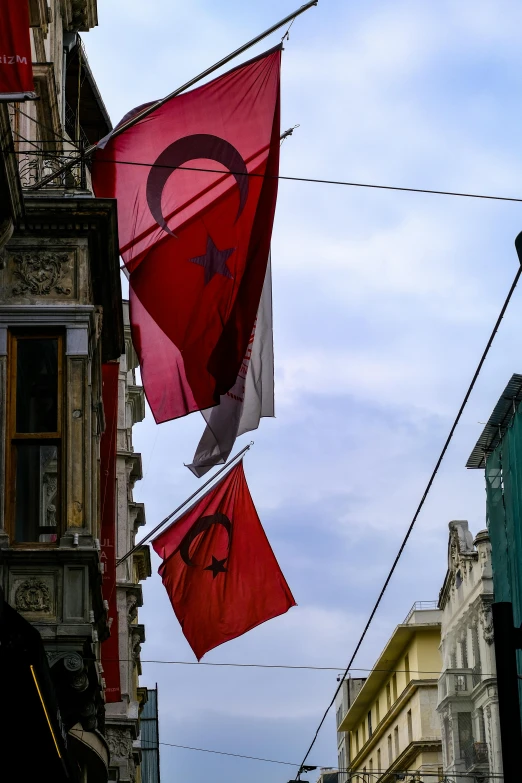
(251, 397)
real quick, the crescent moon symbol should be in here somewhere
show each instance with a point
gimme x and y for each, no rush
(203, 524)
(199, 145)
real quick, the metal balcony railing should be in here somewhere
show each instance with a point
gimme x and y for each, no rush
(421, 606)
(475, 755)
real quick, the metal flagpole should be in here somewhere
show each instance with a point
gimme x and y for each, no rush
(126, 125)
(164, 521)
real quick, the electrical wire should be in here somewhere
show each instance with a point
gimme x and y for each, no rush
(296, 667)
(42, 125)
(419, 507)
(352, 773)
(313, 180)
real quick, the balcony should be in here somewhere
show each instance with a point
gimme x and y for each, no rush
(456, 683)
(475, 756)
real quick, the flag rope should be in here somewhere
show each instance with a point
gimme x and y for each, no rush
(182, 505)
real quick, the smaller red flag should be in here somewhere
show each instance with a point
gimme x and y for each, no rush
(16, 68)
(218, 568)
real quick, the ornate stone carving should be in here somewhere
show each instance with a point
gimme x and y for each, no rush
(486, 620)
(119, 742)
(33, 596)
(136, 645)
(40, 273)
(132, 607)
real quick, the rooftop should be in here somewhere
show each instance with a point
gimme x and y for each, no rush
(423, 617)
(498, 423)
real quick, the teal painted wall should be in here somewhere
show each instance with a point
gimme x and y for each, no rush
(504, 519)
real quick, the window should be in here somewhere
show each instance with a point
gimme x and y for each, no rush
(363, 732)
(396, 739)
(394, 687)
(370, 770)
(465, 732)
(407, 668)
(379, 759)
(356, 741)
(390, 750)
(377, 713)
(35, 434)
(388, 695)
(481, 725)
(410, 726)
(369, 724)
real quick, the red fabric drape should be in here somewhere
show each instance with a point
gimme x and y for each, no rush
(110, 651)
(16, 69)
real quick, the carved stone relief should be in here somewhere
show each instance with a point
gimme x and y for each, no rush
(119, 742)
(486, 620)
(40, 274)
(33, 595)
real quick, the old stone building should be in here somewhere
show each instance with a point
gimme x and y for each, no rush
(468, 698)
(66, 504)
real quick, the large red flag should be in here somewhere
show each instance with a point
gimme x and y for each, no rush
(196, 243)
(16, 68)
(218, 568)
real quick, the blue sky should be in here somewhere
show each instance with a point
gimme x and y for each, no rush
(383, 302)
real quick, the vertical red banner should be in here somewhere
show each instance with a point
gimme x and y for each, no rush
(110, 652)
(16, 68)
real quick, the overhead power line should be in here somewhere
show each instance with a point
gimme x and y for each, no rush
(295, 667)
(313, 180)
(419, 507)
(353, 774)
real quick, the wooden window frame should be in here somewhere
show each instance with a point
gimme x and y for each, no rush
(14, 437)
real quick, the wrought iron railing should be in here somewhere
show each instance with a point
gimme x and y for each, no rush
(35, 165)
(475, 754)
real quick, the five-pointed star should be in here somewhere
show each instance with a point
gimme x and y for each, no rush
(214, 261)
(217, 567)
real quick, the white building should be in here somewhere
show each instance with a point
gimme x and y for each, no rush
(468, 701)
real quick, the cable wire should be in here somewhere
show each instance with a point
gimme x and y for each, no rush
(347, 770)
(419, 508)
(312, 180)
(295, 667)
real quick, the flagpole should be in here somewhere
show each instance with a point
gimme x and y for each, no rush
(167, 519)
(126, 125)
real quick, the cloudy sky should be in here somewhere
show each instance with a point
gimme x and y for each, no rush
(383, 304)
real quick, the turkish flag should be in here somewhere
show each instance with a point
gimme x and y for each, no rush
(195, 242)
(16, 68)
(218, 568)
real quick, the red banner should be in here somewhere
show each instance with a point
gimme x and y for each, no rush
(110, 652)
(16, 69)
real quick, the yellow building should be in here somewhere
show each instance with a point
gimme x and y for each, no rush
(393, 723)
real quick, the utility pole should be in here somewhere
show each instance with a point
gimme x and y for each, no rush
(508, 640)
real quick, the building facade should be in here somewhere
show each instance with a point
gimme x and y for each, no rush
(343, 701)
(393, 725)
(62, 324)
(468, 700)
